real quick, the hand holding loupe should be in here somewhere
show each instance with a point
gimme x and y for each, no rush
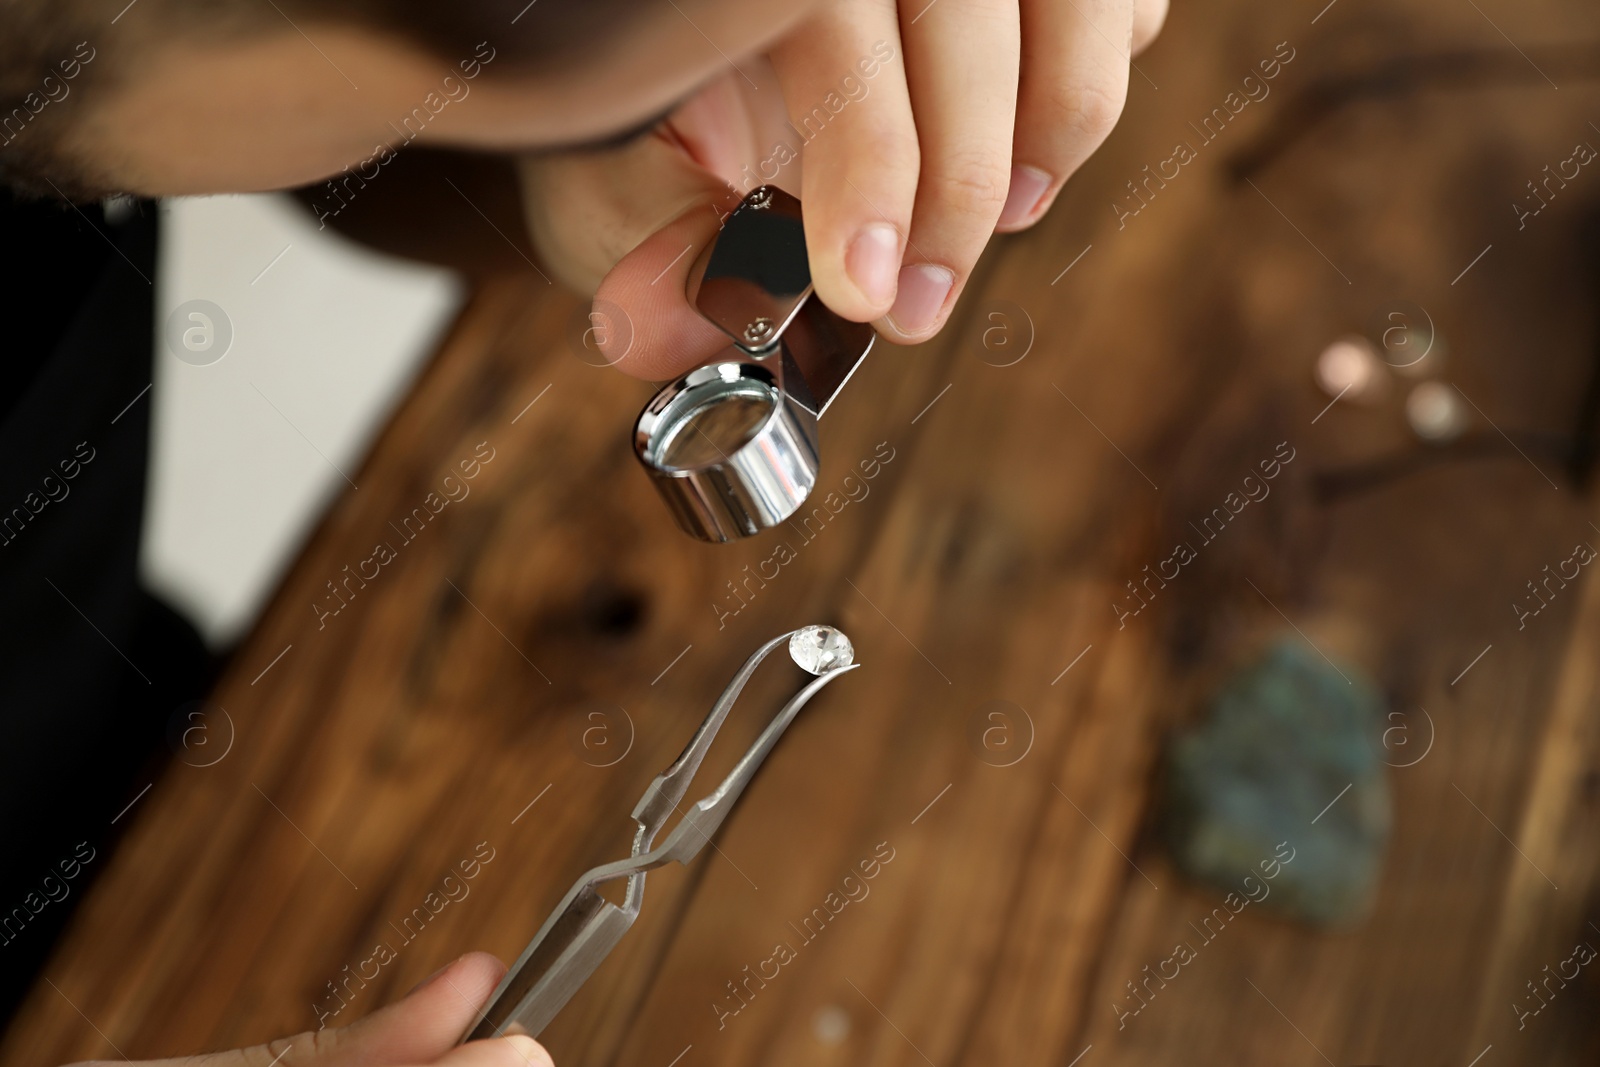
(732, 445)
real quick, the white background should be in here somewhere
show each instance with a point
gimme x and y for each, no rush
(331, 333)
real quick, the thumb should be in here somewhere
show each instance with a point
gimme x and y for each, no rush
(421, 1028)
(628, 223)
(423, 1025)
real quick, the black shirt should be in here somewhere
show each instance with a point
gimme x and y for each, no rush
(91, 666)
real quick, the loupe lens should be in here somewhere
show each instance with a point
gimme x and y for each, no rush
(731, 452)
(707, 424)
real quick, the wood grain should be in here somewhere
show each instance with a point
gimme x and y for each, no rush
(451, 693)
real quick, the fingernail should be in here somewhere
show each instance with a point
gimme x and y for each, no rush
(1028, 186)
(923, 288)
(872, 260)
(529, 1049)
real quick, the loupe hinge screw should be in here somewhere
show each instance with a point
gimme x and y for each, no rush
(759, 331)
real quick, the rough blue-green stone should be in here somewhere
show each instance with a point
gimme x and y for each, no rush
(1284, 737)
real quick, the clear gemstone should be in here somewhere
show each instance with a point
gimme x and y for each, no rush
(820, 649)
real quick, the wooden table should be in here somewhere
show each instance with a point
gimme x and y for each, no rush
(445, 704)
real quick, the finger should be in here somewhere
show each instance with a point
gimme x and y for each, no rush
(849, 111)
(418, 1029)
(961, 63)
(1074, 83)
(517, 1051)
(663, 335)
(1148, 18)
(628, 223)
(428, 1021)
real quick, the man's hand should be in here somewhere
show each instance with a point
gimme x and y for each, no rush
(420, 1029)
(925, 127)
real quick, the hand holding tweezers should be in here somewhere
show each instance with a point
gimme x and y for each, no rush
(585, 927)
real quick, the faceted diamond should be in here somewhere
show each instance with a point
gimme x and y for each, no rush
(820, 649)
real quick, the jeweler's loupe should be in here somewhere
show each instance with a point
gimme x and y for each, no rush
(732, 445)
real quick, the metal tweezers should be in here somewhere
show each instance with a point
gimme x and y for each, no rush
(585, 927)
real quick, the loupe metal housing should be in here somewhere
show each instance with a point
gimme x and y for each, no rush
(732, 445)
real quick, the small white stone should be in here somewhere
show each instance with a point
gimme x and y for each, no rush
(1347, 367)
(820, 649)
(831, 1024)
(1435, 413)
